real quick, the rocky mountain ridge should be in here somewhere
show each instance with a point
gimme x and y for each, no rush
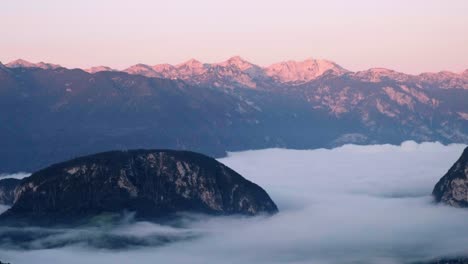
(60, 113)
(238, 72)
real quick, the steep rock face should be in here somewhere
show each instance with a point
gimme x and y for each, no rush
(7, 190)
(452, 189)
(151, 183)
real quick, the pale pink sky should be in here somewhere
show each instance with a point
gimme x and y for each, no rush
(407, 35)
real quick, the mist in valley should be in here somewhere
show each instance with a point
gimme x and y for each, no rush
(352, 204)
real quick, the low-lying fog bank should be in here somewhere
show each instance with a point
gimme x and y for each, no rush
(352, 204)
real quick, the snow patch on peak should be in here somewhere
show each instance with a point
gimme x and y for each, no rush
(302, 71)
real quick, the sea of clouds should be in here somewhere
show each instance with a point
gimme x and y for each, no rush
(352, 204)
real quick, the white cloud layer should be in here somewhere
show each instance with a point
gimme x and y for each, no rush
(352, 204)
(18, 175)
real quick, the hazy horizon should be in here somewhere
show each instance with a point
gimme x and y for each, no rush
(411, 37)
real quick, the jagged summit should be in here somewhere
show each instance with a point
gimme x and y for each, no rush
(240, 70)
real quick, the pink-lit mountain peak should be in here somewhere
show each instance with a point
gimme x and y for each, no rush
(302, 71)
(192, 63)
(191, 67)
(237, 62)
(142, 69)
(237, 72)
(163, 67)
(26, 64)
(20, 63)
(378, 74)
(96, 69)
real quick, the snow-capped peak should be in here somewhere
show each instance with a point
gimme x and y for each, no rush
(302, 71)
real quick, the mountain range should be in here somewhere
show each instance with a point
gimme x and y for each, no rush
(54, 113)
(237, 72)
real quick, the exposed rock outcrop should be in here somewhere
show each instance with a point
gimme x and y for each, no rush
(452, 189)
(151, 183)
(7, 190)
